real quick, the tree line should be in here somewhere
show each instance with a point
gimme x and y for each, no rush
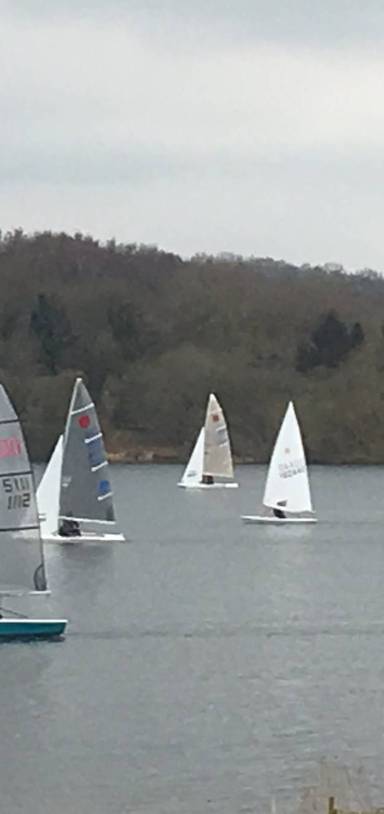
(152, 334)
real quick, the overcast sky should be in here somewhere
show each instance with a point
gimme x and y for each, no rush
(249, 126)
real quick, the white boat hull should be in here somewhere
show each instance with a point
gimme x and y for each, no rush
(208, 486)
(85, 538)
(277, 521)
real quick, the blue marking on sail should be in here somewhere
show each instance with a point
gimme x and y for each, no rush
(104, 487)
(104, 490)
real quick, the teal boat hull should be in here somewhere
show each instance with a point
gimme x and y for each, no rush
(27, 629)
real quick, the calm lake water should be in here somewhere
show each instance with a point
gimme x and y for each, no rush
(208, 666)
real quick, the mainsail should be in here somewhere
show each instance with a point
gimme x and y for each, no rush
(86, 493)
(217, 448)
(22, 567)
(287, 485)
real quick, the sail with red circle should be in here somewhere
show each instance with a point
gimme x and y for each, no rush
(85, 491)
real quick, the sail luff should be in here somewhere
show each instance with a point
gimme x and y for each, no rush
(287, 484)
(70, 412)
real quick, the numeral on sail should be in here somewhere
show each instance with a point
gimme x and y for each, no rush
(19, 501)
(18, 490)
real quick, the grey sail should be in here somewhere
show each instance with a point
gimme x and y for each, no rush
(22, 567)
(85, 492)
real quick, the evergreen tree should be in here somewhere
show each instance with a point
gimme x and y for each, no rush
(51, 326)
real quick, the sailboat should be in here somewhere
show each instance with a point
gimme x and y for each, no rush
(75, 497)
(211, 456)
(287, 491)
(22, 566)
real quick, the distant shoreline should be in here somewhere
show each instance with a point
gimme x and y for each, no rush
(156, 457)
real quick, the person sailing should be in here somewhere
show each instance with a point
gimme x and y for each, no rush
(279, 514)
(69, 528)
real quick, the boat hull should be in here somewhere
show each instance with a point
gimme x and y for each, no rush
(27, 629)
(84, 538)
(208, 486)
(277, 521)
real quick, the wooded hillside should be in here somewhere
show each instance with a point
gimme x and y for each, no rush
(153, 334)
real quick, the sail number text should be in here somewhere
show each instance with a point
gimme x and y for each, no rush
(288, 470)
(18, 491)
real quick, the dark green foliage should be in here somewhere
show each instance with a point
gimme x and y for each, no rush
(329, 344)
(331, 340)
(128, 329)
(153, 334)
(356, 335)
(51, 326)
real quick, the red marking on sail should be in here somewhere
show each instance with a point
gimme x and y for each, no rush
(84, 421)
(287, 451)
(215, 417)
(10, 447)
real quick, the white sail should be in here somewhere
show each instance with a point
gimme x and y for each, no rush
(194, 470)
(22, 568)
(217, 448)
(48, 492)
(287, 485)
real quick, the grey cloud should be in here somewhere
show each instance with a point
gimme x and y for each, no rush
(258, 150)
(342, 22)
(93, 164)
(87, 167)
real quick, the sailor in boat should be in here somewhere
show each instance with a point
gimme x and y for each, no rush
(69, 528)
(279, 514)
(207, 480)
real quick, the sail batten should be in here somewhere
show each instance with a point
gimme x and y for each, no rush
(83, 409)
(287, 484)
(15, 473)
(99, 466)
(104, 497)
(94, 437)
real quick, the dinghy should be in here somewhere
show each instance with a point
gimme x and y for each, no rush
(287, 493)
(75, 497)
(22, 567)
(211, 456)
